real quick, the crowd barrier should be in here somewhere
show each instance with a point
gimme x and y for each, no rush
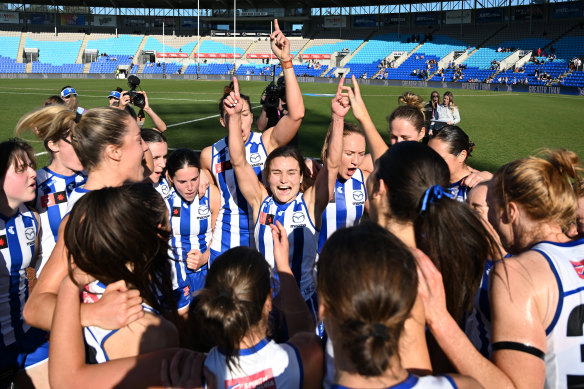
(554, 90)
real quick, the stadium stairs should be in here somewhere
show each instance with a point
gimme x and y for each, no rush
(20, 54)
(81, 51)
(192, 54)
(140, 48)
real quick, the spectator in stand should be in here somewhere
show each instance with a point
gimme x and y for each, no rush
(447, 112)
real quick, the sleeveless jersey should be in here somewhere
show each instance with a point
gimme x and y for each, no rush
(53, 190)
(265, 365)
(302, 236)
(564, 358)
(478, 324)
(346, 207)
(234, 220)
(191, 229)
(164, 188)
(415, 382)
(95, 337)
(459, 190)
(75, 196)
(17, 245)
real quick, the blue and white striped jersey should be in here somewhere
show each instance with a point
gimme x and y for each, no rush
(233, 223)
(53, 191)
(17, 244)
(302, 236)
(345, 208)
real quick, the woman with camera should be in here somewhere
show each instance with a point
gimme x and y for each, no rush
(233, 224)
(122, 99)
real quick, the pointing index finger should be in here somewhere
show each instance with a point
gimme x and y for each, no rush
(340, 86)
(276, 26)
(356, 86)
(236, 87)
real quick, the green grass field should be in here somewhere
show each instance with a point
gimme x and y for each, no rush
(504, 126)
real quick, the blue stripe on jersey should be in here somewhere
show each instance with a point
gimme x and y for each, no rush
(341, 203)
(226, 217)
(560, 296)
(243, 216)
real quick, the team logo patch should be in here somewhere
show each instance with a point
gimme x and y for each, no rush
(358, 196)
(3, 242)
(263, 379)
(579, 268)
(340, 189)
(203, 210)
(29, 233)
(298, 217)
(164, 189)
(223, 166)
(255, 158)
(176, 211)
(266, 218)
(11, 230)
(53, 199)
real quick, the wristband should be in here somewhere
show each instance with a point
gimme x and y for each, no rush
(286, 64)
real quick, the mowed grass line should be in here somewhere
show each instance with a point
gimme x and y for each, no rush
(504, 126)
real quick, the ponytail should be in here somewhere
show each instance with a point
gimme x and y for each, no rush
(232, 302)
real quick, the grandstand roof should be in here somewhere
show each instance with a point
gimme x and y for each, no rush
(222, 4)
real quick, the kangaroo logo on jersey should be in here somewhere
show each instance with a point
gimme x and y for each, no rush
(266, 218)
(263, 379)
(203, 210)
(3, 242)
(11, 230)
(176, 211)
(358, 196)
(53, 199)
(255, 158)
(223, 166)
(579, 268)
(298, 217)
(29, 233)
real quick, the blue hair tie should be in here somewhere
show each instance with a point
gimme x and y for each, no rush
(432, 194)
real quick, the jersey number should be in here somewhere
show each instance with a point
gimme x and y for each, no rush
(575, 328)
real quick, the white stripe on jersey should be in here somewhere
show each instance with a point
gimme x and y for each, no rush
(17, 244)
(234, 222)
(191, 230)
(346, 208)
(564, 356)
(302, 236)
(53, 191)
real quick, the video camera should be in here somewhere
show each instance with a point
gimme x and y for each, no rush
(135, 98)
(274, 92)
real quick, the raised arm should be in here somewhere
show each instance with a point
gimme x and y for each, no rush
(249, 184)
(298, 316)
(326, 178)
(287, 126)
(375, 142)
(159, 124)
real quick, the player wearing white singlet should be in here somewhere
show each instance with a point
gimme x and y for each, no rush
(234, 221)
(564, 357)
(415, 382)
(302, 235)
(265, 365)
(53, 191)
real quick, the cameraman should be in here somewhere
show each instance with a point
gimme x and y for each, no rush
(272, 113)
(121, 99)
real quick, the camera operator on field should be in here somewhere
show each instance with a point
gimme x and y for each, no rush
(122, 99)
(274, 105)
